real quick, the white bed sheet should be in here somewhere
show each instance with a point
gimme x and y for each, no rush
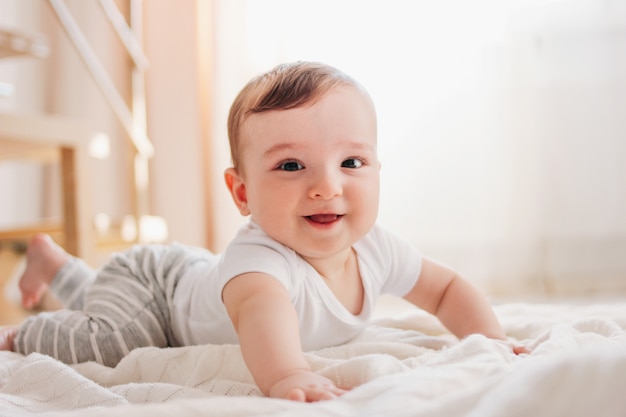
(401, 366)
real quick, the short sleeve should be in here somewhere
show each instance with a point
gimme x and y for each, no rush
(253, 251)
(395, 262)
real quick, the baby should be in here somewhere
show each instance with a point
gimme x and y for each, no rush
(304, 273)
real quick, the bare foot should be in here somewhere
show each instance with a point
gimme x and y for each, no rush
(6, 338)
(44, 258)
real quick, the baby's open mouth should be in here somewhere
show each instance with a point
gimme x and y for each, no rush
(324, 218)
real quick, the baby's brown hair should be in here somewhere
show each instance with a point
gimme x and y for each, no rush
(286, 86)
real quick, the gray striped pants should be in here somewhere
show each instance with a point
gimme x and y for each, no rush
(123, 306)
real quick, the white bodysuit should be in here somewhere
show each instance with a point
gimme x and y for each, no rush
(387, 264)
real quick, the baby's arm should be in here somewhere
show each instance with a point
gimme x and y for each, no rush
(269, 335)
(460, 306)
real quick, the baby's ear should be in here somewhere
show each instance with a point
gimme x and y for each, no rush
(237, 189)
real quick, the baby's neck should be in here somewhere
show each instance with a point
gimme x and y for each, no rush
(335, 267)
(341, 275)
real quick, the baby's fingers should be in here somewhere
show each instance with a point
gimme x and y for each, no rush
(305, 386)
(315, 393)
(323, 394)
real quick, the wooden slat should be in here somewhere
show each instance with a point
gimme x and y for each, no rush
(14, 43)
(43, 130)
(70, 200)
(26, 232)
(18, 150)
(204, 53)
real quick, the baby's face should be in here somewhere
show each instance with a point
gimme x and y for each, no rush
(311, 174)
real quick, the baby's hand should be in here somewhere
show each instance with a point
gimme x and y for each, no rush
(305, 386)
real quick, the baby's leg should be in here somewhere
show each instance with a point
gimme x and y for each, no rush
(49, 266)
(127, 307)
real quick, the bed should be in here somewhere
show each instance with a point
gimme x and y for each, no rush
(406, 364)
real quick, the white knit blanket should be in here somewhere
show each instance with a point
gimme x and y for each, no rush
(405, 366)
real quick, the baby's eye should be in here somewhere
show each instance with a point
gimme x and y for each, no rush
(290, 166)
(352, 163)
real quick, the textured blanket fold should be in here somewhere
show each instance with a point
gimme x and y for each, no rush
(403, 366)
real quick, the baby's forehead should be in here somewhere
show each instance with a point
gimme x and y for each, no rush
(339, 117)
(351, 96)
